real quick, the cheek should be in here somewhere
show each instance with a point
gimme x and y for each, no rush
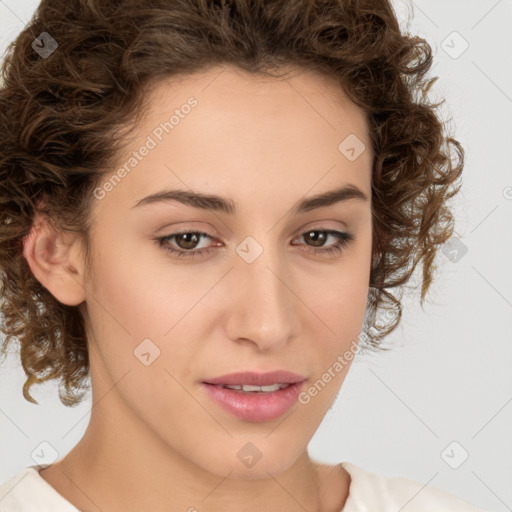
(334, 330)
(150, 312)
(339, 302)
(135, 286)
(338, 293)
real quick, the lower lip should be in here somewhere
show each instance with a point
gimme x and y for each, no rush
(257, 407)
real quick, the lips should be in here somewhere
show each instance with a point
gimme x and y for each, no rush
(256, 379)
(255, 405)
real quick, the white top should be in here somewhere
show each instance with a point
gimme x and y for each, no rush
(29, 492)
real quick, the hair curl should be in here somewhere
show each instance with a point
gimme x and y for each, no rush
(64, 119)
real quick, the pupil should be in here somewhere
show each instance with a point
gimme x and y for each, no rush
(320, 237)
(188, 244)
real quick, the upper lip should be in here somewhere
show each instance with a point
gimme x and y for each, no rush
(257, 379)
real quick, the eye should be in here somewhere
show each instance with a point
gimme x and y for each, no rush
(319, 236)
(187, 242)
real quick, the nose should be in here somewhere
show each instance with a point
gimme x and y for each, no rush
(263, 309)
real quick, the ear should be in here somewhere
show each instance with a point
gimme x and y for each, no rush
(56, 260)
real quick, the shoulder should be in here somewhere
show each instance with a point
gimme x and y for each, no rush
(27, 491)
(371, 491)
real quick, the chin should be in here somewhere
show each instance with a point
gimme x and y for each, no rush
(249, 462)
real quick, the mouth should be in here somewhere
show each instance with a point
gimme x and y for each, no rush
(255, 397)
(249, 388)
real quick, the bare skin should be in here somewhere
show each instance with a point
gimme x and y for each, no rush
(331, 487)
(155, 440)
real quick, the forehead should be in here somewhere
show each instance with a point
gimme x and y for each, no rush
(226, 129)
(306, 94)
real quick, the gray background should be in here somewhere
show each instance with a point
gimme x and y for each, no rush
(445, 392)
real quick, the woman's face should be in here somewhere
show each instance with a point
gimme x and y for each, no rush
(265, 293)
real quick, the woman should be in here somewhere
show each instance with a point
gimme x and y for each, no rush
(203, 203)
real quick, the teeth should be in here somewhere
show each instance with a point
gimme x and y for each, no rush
(263, 389)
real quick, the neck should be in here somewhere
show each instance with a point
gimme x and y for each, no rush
(118, 469)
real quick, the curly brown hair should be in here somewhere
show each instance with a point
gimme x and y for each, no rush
(64, 118)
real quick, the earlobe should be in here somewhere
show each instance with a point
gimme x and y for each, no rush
(55, 259)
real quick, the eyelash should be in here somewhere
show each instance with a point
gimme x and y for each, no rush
(344, 239)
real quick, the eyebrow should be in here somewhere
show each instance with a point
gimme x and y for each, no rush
(220, 204)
